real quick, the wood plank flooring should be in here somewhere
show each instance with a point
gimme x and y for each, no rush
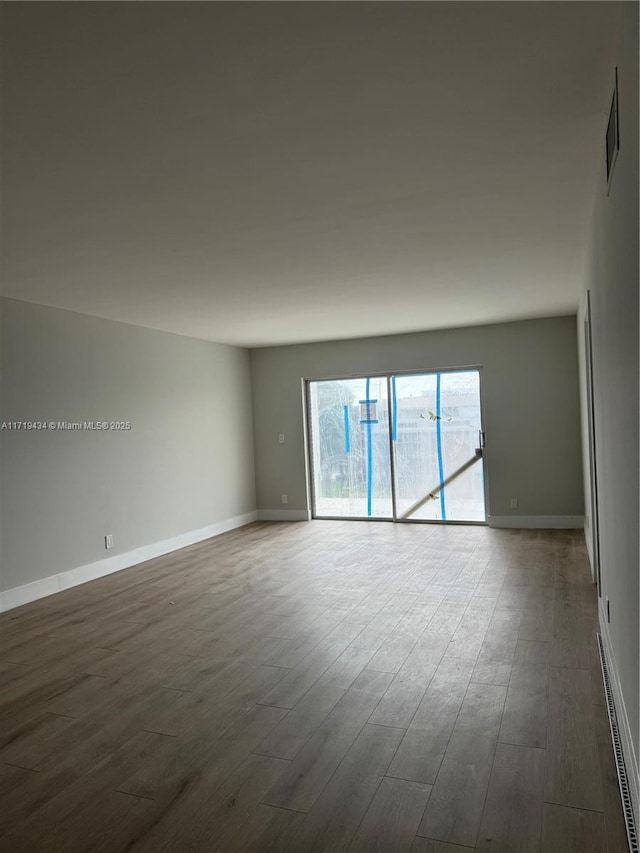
(314, 688)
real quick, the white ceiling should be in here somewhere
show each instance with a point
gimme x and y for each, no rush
(260, 173)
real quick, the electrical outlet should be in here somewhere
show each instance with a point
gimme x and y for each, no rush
(514, 503)
(108, 541)
(281, 438)
(285, 499)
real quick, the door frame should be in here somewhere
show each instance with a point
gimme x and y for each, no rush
(591, 431)
(388, 374)
(309, 447)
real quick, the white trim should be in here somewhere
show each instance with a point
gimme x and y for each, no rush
(284, 515)
(11, 598)
(588, 541)
(543, 522)
(624, 728)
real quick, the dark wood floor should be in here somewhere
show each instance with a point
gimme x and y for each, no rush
(328, 686)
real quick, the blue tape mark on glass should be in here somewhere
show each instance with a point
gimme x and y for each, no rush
(367, 410)
(367, 401)
(365, 406)
(347, 436)
(443, 507)
(394, 410)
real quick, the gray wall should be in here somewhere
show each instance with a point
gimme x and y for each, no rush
(186, 463)
(613, 281)
(531, 400)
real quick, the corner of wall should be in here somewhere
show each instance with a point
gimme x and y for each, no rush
(28, 592)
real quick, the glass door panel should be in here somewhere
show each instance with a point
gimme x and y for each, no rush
(351, 464)
(436, 425)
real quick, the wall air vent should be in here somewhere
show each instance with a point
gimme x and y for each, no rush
(612, 141)
(623, 781)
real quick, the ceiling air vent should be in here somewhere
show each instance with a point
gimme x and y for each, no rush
(613, 137)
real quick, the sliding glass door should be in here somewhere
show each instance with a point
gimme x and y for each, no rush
(351, 469)
(405, 447)
(437, 433)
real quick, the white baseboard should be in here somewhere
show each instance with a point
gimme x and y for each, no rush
(624, 729)
(543, 522)
(284, 515)
(11, 598)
